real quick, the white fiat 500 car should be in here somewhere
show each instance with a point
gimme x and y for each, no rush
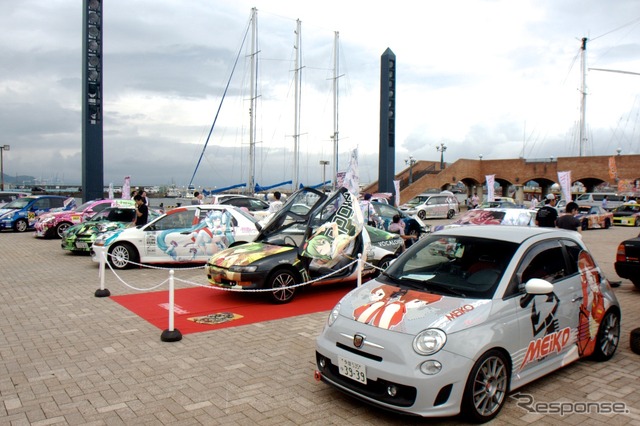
(467, 315)
(190, 234)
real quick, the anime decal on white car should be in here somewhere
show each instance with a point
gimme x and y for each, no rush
(467, 315)
(182, 235)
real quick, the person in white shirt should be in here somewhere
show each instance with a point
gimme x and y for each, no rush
(276, 204)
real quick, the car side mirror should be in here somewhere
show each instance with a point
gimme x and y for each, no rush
(538, 286)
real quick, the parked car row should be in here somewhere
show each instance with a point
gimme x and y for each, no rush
(450, 325)
(21, 213)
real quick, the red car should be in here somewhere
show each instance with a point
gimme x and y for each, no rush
(594, 217)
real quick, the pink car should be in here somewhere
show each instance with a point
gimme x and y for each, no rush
(53, 225)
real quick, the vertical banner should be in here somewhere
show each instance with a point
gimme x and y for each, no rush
(613, 170)
(351, 177)
(491, 179)
(565, 184)
(126, 188)
(396, 188)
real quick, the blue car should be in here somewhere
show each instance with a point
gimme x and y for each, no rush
(21, 214)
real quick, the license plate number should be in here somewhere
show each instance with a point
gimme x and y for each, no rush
(352, 370)
(82, 245)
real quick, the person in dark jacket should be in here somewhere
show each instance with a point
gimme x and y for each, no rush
(568, 220)
(547, 215)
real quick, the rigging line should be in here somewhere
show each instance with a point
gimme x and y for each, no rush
(220, 105)
(617, 29)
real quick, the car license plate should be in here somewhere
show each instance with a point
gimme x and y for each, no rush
(352, 370)
(82, 245)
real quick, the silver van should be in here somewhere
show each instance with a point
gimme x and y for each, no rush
(431, 206)
(595, 199)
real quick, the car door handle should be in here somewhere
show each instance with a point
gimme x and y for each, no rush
(577, 299)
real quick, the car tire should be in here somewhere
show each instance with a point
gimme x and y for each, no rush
(584, 225)
(384, 264)
(21, 225)
(121, 255)
(487, 387)
(634, 340)
(608, 336)
(422, 214)
(61, 228)
(450, 214)
(607, 224)
(277, 281)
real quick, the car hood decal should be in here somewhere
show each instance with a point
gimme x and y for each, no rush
(246, 254)
(411, 311)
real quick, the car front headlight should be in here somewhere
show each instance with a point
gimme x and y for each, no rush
(241, 269)
(429, 341)
(333, 315)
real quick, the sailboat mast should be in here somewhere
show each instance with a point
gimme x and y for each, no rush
(335, 109)
(583, 91)
(252, 107)
(296, 121)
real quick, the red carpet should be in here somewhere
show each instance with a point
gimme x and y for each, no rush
(202, 309)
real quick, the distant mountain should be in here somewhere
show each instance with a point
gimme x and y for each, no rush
(18, 180)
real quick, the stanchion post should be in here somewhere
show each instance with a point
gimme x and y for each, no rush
(102, 292)
(171, 334)
(359, 269)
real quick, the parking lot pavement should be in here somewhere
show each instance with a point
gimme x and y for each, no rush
(68, 357)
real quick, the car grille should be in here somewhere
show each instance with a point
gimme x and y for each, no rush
(374, 389)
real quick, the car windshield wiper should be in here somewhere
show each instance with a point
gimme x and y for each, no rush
(446, 288)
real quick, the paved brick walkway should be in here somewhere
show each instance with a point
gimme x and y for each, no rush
(68, 357)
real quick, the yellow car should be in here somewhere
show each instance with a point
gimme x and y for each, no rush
(627, 214)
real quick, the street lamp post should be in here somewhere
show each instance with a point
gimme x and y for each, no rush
(324, 164)
(441, 149)
(3, 148)
(410, 162)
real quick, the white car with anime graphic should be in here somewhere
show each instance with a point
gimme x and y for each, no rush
(188, 234)
(467, 315)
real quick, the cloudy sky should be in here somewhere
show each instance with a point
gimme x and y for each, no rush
(497, 78)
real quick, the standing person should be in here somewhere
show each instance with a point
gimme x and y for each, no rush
(534, 202)
(142, 211)
(276, 204)
(143, 194)
(568, 220)
(547, 214)
(475, 200)
(368, 211)
(605, 202)
(197, 198)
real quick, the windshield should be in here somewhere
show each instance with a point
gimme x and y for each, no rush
(629, 208)
(417, 200)
(18, 204)
(84, 206)
(114, 214)
(289, 224)
(459, 266)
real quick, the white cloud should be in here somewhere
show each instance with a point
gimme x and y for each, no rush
(493, 77)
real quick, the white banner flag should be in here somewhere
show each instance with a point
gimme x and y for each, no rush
(396, 188)
(565, 184)
(490, 190)
(352, 176)
(126, 188)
